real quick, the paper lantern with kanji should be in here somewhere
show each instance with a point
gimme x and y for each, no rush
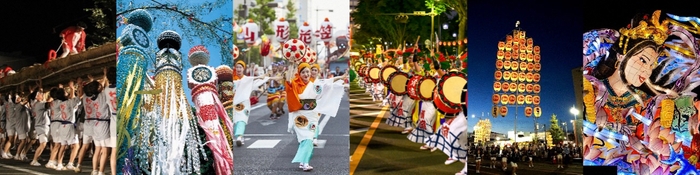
(536, 88)
(498, 75)
(504, 99)
(495, 98)
(537, 111)
(506, 75)
(513, 86)
(499, 64)
(528, 99)
(536, 77)
(504, 111)
(294, 50)
(251, 32)
(501, 45)
(528, 88)
(235, 52)
(495, 111)
(536, 100)
(528, 111)
(506, 65)
(521, 99)
(505, 86)
(326, 31)
(281, 30)
(500, 54)
(305, 33)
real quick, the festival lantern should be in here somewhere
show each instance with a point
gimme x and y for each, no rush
(528, 111)
(465, 41)
(495, 111)
(281, 30)
(521, 76)
(500, 55)
(529, 49)
(538, 66)
(528, 77)
(505, 86)
(495, 99)
(509, 39)
(537, 111)
(499, 64)
(507, 55)
(326, 31)
(305, 33)
(514, 56)
(522, 38)
(536, 58)
(498, 75)
(513, 86)
(501, 45)
(504, 111)
(509, 47)
(530, 66)
(523, 66)
(521, 87)
(504, 99)
(506, 75)
(529, 41)
(536, 77)
(522, 48)
(528, 99)
(536, 49)
(529, 57)
(511, 99)
(251, 32)
(516, 47)
(497, 86)
(514, 65)
(235, 52)
(521, 99)
(523, 56)
(506, 65)
(536, 88)
(528, 88)
(536, 100)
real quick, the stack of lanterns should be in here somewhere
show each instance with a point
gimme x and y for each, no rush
(517, 75)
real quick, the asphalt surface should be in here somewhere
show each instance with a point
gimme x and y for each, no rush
(389, 152)
(269, 148)
(21, 167)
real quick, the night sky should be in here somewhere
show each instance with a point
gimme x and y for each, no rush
(554, 26)
(33, 28)
(616, 15)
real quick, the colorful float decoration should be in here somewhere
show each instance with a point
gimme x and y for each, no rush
(516, 78)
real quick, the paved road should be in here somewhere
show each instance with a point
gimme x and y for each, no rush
(269, 148)
(21, 167)
(386, 151)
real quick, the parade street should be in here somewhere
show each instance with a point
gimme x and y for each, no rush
(388, 152)
(22, 167)
(269, 148)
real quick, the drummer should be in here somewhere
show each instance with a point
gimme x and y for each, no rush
(402, 106)
(425, 118)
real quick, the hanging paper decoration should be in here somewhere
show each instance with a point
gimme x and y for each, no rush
(504, 111)
(294, 50)
(498, 75)
(266, 47)
(538, 112)
(528, 111)
(305, 33)
(251, 32)
(326, 31)
(235, 52)
(495, 99)
(495, 111)
(497, 86)
(281, 30)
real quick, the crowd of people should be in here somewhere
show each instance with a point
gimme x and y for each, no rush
(494, 156)
(79, 116)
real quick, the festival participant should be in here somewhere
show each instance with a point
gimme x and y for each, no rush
(66, 132)
(39, 108)
(275, 92)
(402, 110)
(244, 86)
(108, 96)
(14, 128)
(425, 117)
(303, 100)
(53, 128)
(3, 128)
(88, 132)
(73, 39)
(22, 127)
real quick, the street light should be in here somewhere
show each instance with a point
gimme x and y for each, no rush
(444, 26)
(473, 116)
(574, 111)
(454, 35)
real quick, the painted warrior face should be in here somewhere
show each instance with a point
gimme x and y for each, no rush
(639, 66)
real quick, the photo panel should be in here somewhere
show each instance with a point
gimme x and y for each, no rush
(57, 83)
(408, 87)
(290, 108)
(174, 86)
(523, 103)
(640, 88)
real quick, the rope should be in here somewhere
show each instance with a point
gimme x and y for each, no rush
(64, 68)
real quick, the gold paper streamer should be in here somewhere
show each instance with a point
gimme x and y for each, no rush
(667, 107)
(589, 100)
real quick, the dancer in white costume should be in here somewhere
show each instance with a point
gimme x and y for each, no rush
(243, 87)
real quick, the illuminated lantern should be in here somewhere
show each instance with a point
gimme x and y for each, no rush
(454, 43)
(235, 52)
(509, 39)
(500, 55)
(521, 88)
(538, 111)
(511, 99)
(507, 55)
(522, 38)
(465, 41)
(521, 99)
(496, 98)
(536, 100)
(514, 76)
(504, 99)
(497, 86)
(499, 64)
(536, 88)
(504, 111)
(528, 77)
(506, 64)
(530, 66)
(528, 111)
(509, 47)
(326, 31)
(495, 111)
(529, 41)
(251, 32)
(536, 77)
(523, 66)
(516, 47)
(536, 49)
(528, 99)
(281, 30)
(516, 40)
(528, 88)
(538, 66)
(505, 86)
(506, 75)
(514, 55)
(523, 48)
(514, 65)
(536, 58)
(529, 49)
(305, 33)
(521, 77)
(498, 75)
(501, 45)
(523, 56)
(513, 86)
(529, 57)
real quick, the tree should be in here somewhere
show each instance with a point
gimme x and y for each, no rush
(291, 14)
(461, 7)
(373, 22)
(263, 15)
(555, 130)
(103, 19)
(188, 17)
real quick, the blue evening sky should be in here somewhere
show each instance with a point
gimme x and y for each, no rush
(554, 26)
